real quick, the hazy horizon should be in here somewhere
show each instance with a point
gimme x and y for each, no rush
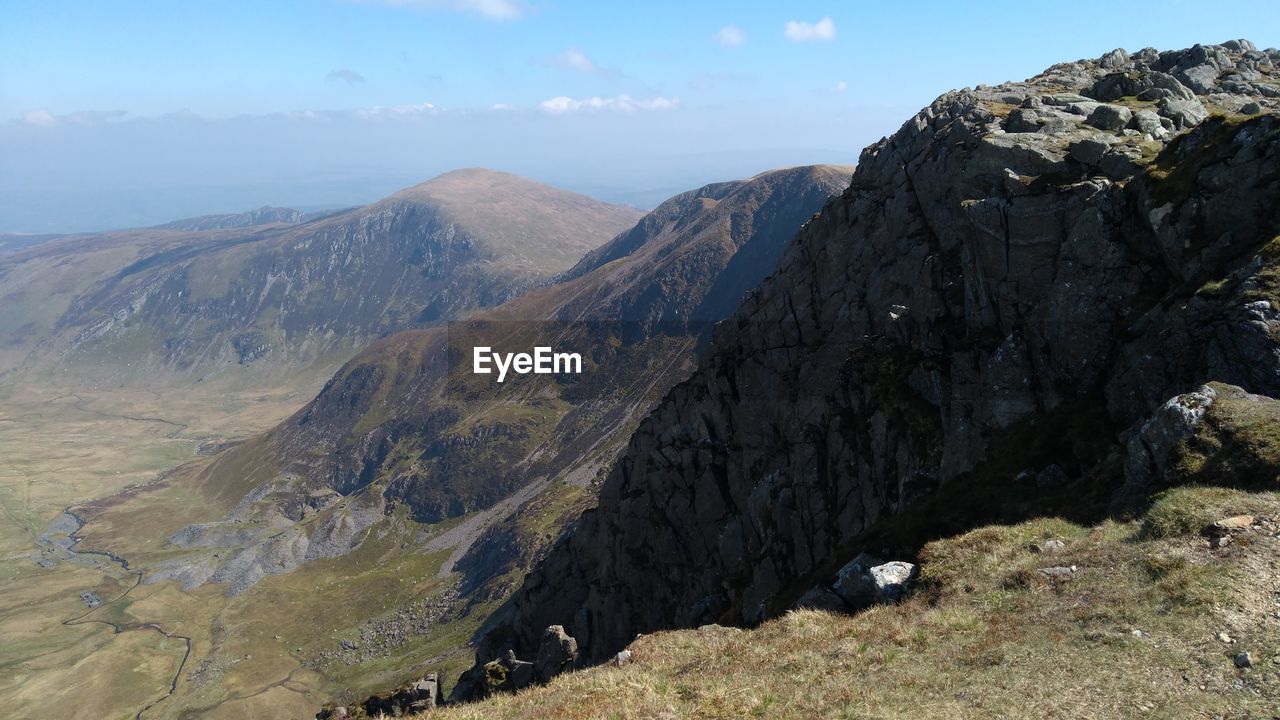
(116, 117)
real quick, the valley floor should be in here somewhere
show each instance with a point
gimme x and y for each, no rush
(65, 446)
(1152, 622)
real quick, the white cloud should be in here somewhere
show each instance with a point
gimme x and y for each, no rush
(840, 88)
(348, 76)
(39, 118)
(397, 112)
(622, 103)
(42, 117)
(491, 9)
(573, 59)
(801, 31)
(731, 36)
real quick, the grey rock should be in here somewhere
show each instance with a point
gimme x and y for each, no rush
(1047, 546)
(622, 658)
(1251, 108)
(1114, 59)
(1057, 125)
(1151, 446)
(557, 652)
(865, 581)
(1089, 150)
(1083, 108)
(1147, 122)
(1120, 163)
(1023, 120)
(1064, 98)
(821, 598)
(1183, 113)
(1110, 117)
(1243, 660)
(1202, 79)
(1058, 572)
(520, 673)
(893, 580)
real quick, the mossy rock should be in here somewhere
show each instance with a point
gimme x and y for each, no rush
(1236, 445)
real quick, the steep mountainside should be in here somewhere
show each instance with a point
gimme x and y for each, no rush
(250, 300)
(996, 319)
(407, 425)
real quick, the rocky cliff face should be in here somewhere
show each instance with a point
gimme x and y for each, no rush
(407, 425)
(1073, 250)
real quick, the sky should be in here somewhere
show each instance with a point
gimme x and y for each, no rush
(127, 114)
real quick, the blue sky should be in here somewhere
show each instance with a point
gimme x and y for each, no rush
(130, 113)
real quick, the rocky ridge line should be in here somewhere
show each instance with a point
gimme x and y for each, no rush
(1097, 237)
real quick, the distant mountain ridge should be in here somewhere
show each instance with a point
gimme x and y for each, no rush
(265, 215)
(227, 295)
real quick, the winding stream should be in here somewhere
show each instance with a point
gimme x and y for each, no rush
(59, 540)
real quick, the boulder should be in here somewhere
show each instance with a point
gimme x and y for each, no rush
(1147, 122)
(1089, 150)
(1110, 117)
(1236, 523)
(557, 652)
(1023, 120)
(866, 581)
(1202, 79)
(821, 598)
(1183, 113)
(1047, 546)
(520, 673)
(1114, 59)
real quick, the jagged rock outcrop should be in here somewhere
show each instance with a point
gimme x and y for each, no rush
(1101, 236)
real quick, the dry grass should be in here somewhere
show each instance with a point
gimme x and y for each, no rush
(1133, 633)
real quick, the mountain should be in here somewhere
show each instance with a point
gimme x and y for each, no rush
(228, 296)
(406, 426)
(1012, 311)
(265, 215)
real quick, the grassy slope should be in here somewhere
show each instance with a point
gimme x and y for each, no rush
(1134, 632)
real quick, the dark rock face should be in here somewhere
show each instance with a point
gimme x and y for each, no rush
(976, 277)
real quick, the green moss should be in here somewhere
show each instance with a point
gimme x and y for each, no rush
(1237, 444)
(495, 677)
